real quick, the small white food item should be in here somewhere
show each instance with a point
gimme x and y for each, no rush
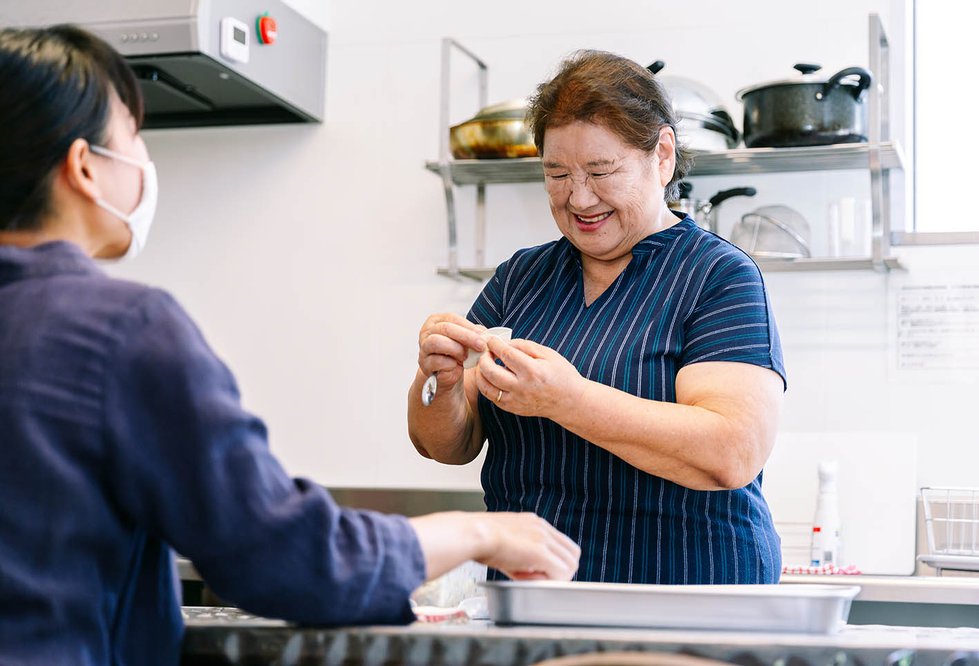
(497, 331)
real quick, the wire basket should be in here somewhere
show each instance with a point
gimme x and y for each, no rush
(952, 526)
(773, 232)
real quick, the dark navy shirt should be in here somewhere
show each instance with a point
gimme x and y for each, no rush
(121, 434)
(687, 296)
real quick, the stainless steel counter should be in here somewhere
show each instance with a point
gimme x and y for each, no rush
(908, 600)
(888, 589)
(228, 636)
(902, 589)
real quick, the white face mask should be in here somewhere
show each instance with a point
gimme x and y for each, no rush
(140, 220)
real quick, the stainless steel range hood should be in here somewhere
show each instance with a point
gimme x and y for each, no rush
(202, 62)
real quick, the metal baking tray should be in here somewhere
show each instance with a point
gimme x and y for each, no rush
(802, 608)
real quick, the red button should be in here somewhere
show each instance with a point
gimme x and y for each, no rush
(267, 30)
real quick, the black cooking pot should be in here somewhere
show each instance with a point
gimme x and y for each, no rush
(807, 111)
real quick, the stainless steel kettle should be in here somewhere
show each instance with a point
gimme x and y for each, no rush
(704, 211)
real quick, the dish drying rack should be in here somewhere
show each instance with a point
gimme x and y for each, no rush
(952, 526)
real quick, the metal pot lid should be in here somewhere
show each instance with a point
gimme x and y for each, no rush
(712, 123)
(701, 139)
(511, 108)
(690, 97)
(807, 75)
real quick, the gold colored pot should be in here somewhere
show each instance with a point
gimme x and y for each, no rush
(498, 131)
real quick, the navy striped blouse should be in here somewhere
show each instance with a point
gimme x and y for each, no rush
(686, 296)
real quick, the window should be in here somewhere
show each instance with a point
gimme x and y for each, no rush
(946, 134)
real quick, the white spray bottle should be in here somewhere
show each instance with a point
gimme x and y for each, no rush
(826, 524)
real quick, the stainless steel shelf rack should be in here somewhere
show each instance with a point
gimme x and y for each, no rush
(879, 157)
(738, 161)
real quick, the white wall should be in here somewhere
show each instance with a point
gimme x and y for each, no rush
(307, 253)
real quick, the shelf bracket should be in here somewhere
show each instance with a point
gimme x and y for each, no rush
(445, 168)
(879, 131)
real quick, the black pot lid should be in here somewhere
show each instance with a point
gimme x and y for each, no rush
(807, 75)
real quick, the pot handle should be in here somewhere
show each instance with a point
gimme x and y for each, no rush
(725, 119)
(866, 78)
(656, 66)
(724, 195)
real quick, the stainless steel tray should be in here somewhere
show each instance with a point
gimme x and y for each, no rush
(815, 609)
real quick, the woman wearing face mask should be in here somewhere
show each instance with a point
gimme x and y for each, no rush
(121, 433)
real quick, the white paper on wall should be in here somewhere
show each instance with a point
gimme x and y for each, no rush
(935, 331)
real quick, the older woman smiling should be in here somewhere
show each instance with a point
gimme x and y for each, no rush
(638, 401)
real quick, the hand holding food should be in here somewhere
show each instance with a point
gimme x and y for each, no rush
(444, 342)
(534, 380)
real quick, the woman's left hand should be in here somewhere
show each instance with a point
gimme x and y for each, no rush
(534, 380)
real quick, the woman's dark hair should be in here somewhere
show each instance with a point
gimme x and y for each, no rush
(55, 86)
(604, 88)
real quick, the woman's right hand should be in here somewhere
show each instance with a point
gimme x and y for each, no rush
(446, 429)
(525, 546)
(521, 545)
(444, 342)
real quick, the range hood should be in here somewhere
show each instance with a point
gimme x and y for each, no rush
(204, 62)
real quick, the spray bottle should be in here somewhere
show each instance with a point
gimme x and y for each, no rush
(826, 524)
